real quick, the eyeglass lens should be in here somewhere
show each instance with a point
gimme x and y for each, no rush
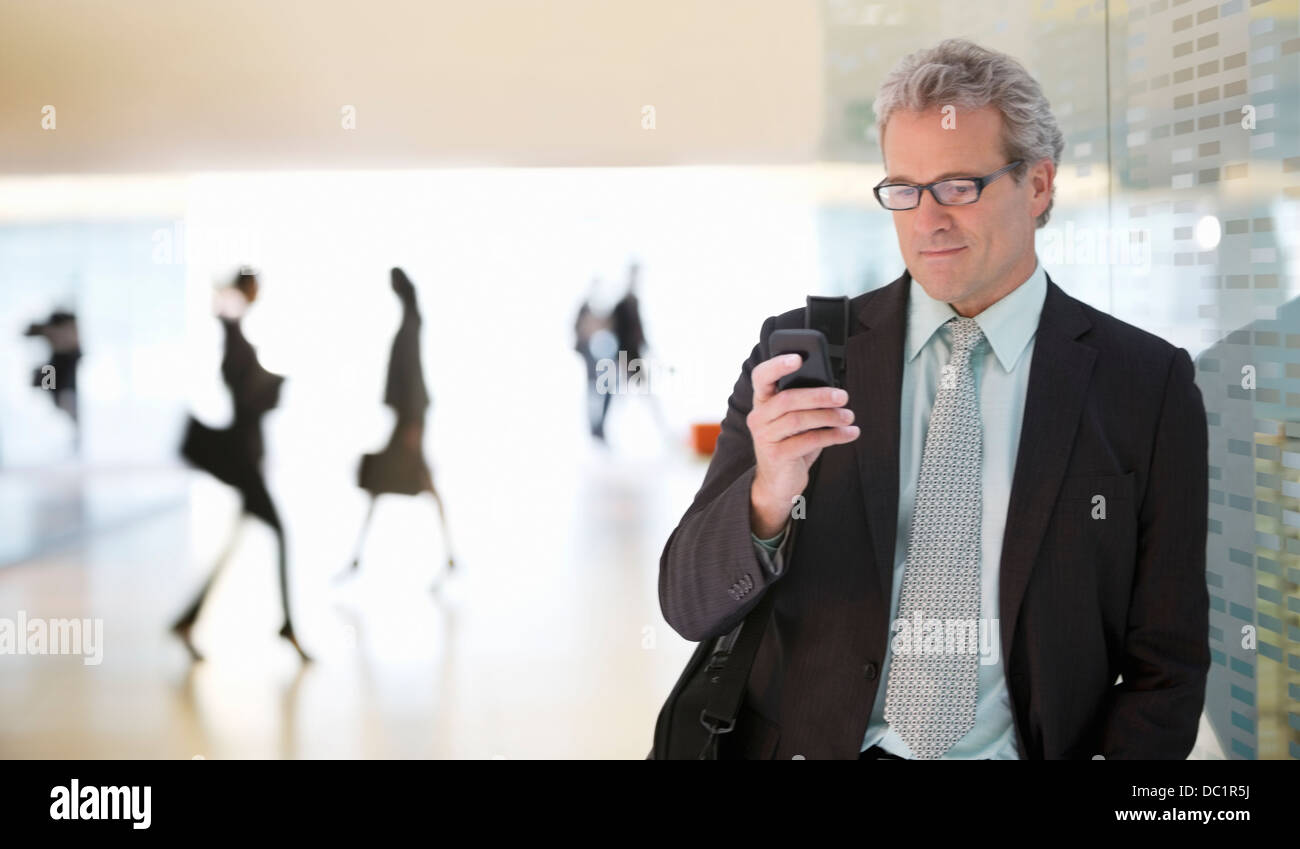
(950, 192)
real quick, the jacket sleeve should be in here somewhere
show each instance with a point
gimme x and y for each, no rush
(1154, 710)
(710, 572)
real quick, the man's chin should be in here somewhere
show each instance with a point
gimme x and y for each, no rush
(942, 286)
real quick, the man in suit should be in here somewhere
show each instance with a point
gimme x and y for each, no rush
(1006, 461)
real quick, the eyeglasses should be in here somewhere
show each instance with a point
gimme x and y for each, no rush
(953, 192)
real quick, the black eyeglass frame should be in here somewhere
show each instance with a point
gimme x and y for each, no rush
(980, 183)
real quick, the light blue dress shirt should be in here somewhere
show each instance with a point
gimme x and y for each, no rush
(1001, 384)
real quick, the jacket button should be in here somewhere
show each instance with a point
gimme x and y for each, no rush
(869, 671)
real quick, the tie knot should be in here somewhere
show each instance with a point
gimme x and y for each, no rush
(966, 334)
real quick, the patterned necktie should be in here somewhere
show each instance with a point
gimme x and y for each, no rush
(930, 698)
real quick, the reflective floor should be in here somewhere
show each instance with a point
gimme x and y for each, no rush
(546, 641)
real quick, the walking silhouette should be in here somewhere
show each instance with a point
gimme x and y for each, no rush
(401, 469)
(234, 454)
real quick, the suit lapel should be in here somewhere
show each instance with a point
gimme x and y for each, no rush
(874, 379)
(1058, 385)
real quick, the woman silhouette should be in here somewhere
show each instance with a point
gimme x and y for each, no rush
(234, 455)
(400, 468)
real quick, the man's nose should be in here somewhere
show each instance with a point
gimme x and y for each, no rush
(930, 216)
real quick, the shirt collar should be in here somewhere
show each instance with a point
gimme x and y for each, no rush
(1008, 324)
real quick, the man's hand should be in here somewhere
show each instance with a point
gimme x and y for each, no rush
(789, 430)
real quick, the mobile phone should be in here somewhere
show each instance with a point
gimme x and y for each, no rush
(811, 346)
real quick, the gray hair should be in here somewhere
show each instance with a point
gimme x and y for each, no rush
(961, 73)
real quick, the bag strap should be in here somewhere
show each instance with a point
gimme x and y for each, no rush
(728, 671)
(733, 655)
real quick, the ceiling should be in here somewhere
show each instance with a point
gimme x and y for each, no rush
(162, 86)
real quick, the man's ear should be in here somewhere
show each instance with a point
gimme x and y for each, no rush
(1042, 176)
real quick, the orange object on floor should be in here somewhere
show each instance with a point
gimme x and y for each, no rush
(705, 437)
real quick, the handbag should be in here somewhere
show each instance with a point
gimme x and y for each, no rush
(704, 703)
(213, 450)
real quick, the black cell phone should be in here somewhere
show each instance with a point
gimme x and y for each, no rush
(811, 346)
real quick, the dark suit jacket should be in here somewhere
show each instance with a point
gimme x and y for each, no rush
(1111, 410)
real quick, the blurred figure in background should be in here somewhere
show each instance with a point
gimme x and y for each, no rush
(401, 469)
(625, 321)
(594, 341)
(234, 454)
(626, 318)
(59, 376)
